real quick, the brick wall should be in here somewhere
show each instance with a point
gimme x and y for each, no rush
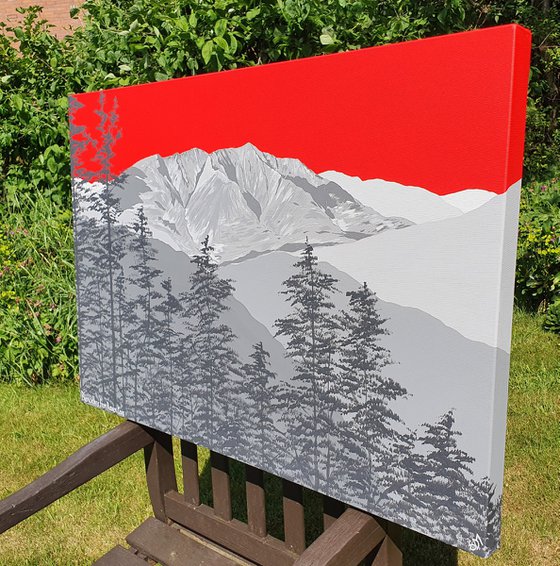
(57, 12)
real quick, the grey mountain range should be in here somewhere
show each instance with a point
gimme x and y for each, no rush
(246, 201)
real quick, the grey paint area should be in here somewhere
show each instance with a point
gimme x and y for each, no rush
(198, 278)
(439, 367)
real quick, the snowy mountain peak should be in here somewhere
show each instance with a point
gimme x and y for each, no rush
(247, 201)
(469, 199)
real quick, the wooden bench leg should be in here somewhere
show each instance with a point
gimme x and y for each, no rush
(160, 471)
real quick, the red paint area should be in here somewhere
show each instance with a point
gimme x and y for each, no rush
(445, 113)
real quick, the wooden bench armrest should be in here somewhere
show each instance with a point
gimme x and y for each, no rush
(88, 462)
(346, 542)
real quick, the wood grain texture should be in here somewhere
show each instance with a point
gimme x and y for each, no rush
(160, 471)
(233, 535)
(388, 555)
(88, 462)
(170, 547)
(346, 542)
(221, 490)
(191, 482)
(294, 521)
(256, 504)
(119, 556)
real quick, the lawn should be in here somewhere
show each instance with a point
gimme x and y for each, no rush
(41, 426)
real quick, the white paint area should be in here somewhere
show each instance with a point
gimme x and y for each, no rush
(460, 270)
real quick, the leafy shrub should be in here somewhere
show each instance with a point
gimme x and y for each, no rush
(552, 319)
(37, 298)
(538, 254)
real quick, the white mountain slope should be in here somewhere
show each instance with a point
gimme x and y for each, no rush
(417, 204)
(393, 199)
(469, 199)
(460, 270)
(246, 200)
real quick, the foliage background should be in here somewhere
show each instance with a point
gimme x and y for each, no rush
(124, 42)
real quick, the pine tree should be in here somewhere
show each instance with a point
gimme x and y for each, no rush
(370, 422)
(257, 393)
(216, 372)
(446, 474)
(311, 332)
(168, 342)
(143, 334)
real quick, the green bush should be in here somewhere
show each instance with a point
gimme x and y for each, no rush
(538, 253)
(125, 42)
(37, 296)
(552, 319)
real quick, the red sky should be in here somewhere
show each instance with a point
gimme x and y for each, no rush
(445, 113)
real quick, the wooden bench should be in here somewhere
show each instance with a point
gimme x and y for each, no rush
(184, 531)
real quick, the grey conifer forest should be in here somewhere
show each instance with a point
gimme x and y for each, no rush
(165, 339)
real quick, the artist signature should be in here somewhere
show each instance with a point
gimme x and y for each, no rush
(476, 543)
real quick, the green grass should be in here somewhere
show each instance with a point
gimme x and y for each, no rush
(41, 426)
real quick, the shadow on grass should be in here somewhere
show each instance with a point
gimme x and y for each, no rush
(418, 550)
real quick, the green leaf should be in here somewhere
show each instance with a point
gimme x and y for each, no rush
(220, 27)
(253, 13)
(326, 39)
(221, 42)
(18, 102)
(192, 19)
(207, 51)
(182, 23)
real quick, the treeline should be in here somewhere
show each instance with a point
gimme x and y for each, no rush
(168, 359)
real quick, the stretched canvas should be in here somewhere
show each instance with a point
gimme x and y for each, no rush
(308, 266)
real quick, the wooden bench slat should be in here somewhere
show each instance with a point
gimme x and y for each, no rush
(221, 490)
(170, 547)
(86, 463)
(256, 504)
(191, 482)
(119, 556)
(233, 535)
(160, 471)
(346, 543)
(294, 521)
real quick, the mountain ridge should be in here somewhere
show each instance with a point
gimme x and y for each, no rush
(246, 201)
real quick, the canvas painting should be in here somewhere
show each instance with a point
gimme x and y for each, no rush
(308, 266)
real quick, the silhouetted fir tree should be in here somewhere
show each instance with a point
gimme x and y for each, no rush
(123, 350)
(367, 395)
(168, 343)
(143, 335)
(446, 473)
(403, 486)
(102, 201)
(92, 310)
(216, 371)
(258, 392)
(90, 304)
(311, 332)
